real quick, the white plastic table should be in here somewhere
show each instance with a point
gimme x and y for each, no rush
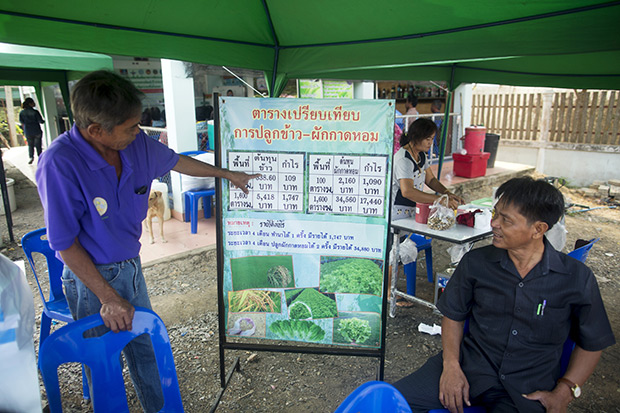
(458, 234)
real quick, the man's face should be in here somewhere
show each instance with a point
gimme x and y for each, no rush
(121, 135)
(511, 230)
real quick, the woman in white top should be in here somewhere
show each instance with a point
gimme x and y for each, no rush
(411, 171)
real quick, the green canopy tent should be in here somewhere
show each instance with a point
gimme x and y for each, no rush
(500, 41)
(40, 66)
(562, 43)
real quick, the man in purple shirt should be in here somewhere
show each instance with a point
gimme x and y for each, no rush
(94, 182)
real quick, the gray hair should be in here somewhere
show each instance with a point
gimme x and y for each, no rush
(105, 98)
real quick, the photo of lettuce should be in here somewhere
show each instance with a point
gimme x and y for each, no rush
(355, 330)
(320, 305)
(298, 330)
(351, 275)
(358, 329)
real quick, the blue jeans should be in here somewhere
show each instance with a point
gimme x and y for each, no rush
(127, 279)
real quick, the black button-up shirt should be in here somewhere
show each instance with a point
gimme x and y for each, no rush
(517, 326)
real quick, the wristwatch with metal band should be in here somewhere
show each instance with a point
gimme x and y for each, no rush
(574, 388)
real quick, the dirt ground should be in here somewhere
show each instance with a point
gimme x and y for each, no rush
(183, 292)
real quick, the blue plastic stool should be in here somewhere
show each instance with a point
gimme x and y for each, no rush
(191, 199)
(423, 244)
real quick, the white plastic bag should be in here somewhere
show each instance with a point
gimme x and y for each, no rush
(441, 216)
(557, 235)
(408, 251)
(197, 183)
(19, 381)
(458, 250)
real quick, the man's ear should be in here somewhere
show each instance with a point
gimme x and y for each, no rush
(539, 229)
(94, 130)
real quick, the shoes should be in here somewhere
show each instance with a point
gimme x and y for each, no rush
(30, 161)
(402, 303)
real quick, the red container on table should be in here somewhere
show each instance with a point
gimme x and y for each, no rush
(470, 166)
(474, 139)
(421, 212)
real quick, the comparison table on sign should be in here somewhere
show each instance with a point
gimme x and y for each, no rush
(335, 184)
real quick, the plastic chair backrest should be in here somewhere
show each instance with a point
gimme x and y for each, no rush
(34, 242)
(102, 355)
(191, 153)
(374, 397)
(581, 253)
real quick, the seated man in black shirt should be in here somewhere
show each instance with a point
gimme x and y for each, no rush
(522, 299)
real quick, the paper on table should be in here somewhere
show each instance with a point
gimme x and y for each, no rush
(425, 328)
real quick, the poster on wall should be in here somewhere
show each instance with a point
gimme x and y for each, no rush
(304, 252)
(327, 89)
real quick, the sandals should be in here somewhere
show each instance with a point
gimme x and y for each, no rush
(402, 303)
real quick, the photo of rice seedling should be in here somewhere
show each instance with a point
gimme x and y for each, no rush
(317, 304)
(351, 275)
(246, 325)
(262, 271)
(254, 301)
(297, 330)
(362, 329)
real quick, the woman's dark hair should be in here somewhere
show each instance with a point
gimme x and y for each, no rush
(27, 103)
(413, 100)
(155, 113)
(146, 119)
(419, 130)
(536, 200)
(105, 98)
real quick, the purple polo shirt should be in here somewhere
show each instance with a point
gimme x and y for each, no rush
(82, 197)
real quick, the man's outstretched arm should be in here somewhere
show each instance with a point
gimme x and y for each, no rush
(453, 385)
(580, 367)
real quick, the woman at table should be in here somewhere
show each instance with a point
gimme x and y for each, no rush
(411, 171)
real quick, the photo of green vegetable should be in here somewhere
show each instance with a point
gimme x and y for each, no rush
(351, 275)
(262, 271)
(254, 301)
(320, 305)
(362, 329)
(297, 330)
(299, 311)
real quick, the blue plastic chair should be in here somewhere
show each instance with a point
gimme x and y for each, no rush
(102, 355)
(191, 198)
(422, 244)
(374, 397)
(582, 252)
(55, 307)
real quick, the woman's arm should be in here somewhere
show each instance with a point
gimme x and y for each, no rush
(415, 195)
(438, 187)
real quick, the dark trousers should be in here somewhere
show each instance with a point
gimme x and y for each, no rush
(421, 390)
(34, 142)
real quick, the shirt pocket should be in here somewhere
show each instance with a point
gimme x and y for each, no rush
(550, 326)
(140, 206)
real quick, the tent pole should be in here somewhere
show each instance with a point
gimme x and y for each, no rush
(64, 89)
(446, 122)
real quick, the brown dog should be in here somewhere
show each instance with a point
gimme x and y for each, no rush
(156, 209)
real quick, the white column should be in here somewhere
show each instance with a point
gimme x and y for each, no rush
(180, 119)
(545, 119)
(364, 90)
(50, 113)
